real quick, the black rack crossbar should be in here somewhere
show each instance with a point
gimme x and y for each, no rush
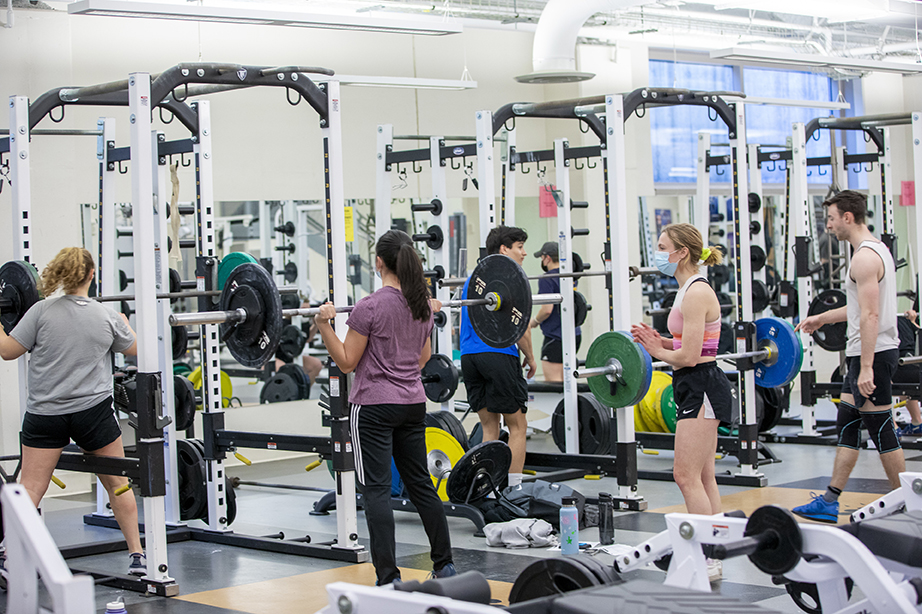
(106, 465)
(547, 155)
(562, 109)
(226, 440)
(822, 390)
(868, 124)
(5, 145)
(167, 148)
(425, 155)
(649, 97)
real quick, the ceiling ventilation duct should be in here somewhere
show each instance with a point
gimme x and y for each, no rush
(554, 55)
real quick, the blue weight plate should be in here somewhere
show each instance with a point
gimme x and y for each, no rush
(788, 353)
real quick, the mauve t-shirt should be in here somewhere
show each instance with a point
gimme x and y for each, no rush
(388, 371)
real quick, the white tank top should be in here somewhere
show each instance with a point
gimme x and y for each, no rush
(888, 337)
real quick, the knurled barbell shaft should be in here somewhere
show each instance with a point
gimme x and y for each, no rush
(183, 294)
(610, 369)
(240, 315)
(450, 282)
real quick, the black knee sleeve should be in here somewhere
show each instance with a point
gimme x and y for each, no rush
(848, 426)
(881, 431)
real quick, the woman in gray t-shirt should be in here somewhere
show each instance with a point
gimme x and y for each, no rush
(71, 338)
(386, 345)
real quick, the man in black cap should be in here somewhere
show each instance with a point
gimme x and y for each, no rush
(548, 317)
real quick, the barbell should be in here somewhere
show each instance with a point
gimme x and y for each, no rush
(251, 315)
(619, 371)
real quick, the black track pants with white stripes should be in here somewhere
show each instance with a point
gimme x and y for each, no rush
(380, 432)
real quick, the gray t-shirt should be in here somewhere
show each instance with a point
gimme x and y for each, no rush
(71, 338)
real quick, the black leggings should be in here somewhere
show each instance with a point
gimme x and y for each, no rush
(380, 432)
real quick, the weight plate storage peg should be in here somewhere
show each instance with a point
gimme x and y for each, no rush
(787, 353)
(594, 421)
(503, 323)
(830, 337)
(618, 348)
(255, 340)
(19, 290)
(440, 378)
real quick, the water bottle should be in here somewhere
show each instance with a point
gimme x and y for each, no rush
(569, 526)
(115, 607)
(606, 519)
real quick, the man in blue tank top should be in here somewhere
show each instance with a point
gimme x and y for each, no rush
(493, 376)
(871, 354)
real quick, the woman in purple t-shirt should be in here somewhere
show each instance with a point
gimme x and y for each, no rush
(387, 344)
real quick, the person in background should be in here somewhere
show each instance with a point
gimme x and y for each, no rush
(548, 316)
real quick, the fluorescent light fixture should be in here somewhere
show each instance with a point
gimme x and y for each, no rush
(193, 12)
(790, 102)
(761, 56)
(834, 12)
(405, 82)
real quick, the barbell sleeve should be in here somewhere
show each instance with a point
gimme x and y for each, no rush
(910, 360)
(207, 317)
(594, 371)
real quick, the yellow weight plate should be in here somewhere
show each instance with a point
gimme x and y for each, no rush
(639, 423)
(438, 440)
(227, 388)
(658, 383)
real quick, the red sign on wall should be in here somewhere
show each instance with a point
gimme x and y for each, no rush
(547, 206)
(908, 197)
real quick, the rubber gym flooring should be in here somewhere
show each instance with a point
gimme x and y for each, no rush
(215, 579)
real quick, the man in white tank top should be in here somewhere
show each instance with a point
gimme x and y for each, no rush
(872, 352)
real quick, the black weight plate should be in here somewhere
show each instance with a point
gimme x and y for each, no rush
(594, 426)
(551, 577)
(577, 261)
(726, 303)
(290, 272)
(440, 378)
(19, 284)
(252, 342)
(440, 319)
(280, 388)
(784, 300)
(184, 402)
(231, 502)
(193, 493)
(480, 469)
(755, 202)
(180, 340)
(123, 280)
(175, 283)
(299, 377)
(807, 597)
(779, 558)
(773, 405)
(580, 308)
(830, 337)
(291, 343)
(660, 321)
(727, 339)
(506, 325)
(449, 423)
(760, 297)
(756, 258)
(291, 301)
(476, 436)
(719, 275)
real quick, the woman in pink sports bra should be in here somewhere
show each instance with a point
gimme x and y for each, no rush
(702, 390)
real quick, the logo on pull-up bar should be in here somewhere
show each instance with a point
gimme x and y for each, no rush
(242, 73)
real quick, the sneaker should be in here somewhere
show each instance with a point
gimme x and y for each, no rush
(715, 570)
(445, 572)
(909, 429)
(138, 565)
(819, 509)
(395, 582)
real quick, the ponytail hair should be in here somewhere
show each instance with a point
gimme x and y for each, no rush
(686, 235)
(70, 269)
(396, 251)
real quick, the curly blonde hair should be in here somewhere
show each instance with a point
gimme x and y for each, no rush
(70, 269)
(686, 235)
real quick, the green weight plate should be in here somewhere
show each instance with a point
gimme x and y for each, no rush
(181, 368)
(788, 353)
(637, 369)
(668, 409)
(230, 262)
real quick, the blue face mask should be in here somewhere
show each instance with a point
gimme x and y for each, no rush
(661, 260)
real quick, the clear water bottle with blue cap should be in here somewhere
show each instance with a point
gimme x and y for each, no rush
(116, 607)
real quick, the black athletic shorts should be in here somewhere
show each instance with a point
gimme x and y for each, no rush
(703, 385)
(494, 381)
(885, 364)
(552, 349)
(91, 429)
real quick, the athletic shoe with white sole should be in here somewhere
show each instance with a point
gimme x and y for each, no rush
(138, 564)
